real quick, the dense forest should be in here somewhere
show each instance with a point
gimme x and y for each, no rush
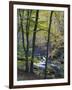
(40, 44)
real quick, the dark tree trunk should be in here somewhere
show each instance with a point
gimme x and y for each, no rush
(27, 41)
(21, 18)
(48, 43)
(33, 42)
(18, 29)
(27, 38)
(17, 40)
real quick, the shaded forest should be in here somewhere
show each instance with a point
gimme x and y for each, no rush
(40, 44)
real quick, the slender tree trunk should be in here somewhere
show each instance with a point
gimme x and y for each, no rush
(48, 43)
(18, 29)
(27, 41)
(33, 42)
(21, 18)
(27, 38)
(17, 40)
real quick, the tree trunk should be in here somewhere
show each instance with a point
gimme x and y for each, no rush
(23, 43)
(27, 41)
(18, 29)
(27, 38)
(33, 42)
(48, 44)
(18, 40)
(21, 18)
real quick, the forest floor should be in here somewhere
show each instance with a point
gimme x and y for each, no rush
(22, 75)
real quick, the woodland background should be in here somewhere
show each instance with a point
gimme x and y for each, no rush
(40, 37)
